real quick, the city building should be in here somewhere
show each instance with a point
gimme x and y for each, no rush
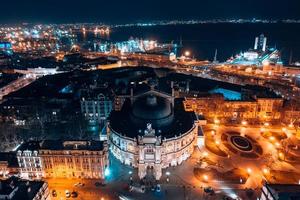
(8, 165)
(260, 43)
(16, 189)
(74, 159)
(96, 108)
(217, 106)
(152, 132)
(280, 192)
(64, 159)
(260, 56)
(29, 160)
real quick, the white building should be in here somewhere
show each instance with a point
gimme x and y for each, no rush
(150, 134)
(63, 159)
(29, 161)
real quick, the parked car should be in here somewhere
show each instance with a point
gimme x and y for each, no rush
(74, 194)
(68, 194)
(54, 194)
(158, 189)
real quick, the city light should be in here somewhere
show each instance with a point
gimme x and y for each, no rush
(205, 177)
(249, 170)
(107, 172)
(187, 53)
(244, 123)
(103, 111)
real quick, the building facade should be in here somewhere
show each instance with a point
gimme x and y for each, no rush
(29, 160)
(150, 135)
(216, 107)
(63, 159)
(96, 109)
(74, 159)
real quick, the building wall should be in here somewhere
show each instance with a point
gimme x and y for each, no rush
(30, 164)
(45, 163)
(96, 109)
(168, 152)
(43, 193)
(265, 109)
(74, 163)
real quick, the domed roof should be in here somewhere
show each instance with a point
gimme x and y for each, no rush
(152, 109)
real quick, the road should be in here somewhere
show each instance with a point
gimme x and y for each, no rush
(16, 85)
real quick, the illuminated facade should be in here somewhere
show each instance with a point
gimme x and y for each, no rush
(30, 163)
(261, 55)
(149, 134)
(216, 107)
(74, 159)
(63, 159)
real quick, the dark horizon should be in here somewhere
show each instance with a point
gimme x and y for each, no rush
(70, 11)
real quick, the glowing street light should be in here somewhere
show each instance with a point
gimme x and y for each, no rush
(187, 53)
(213, 132)
(217, 121)
(205, 154)
(281, 156)
(265, 170)
(244, 123)
(205, 177)
(106, 172)
(272, 138)
(284, 129)
(249, 170)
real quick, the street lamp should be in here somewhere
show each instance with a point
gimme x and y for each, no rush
(244, 123)
(205, 154)
(168, 174)
(187, 53)
(265, 171)
(205, 177)
(281, 156)
(217, 121)
(249, 171)
(213, 132)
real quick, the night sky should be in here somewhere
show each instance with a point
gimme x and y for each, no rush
(121, 11)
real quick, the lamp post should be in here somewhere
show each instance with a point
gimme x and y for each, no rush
(168, 174)
(130, 173)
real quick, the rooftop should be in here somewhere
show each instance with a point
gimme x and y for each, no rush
(72, 145)
(182, 121)
(26, 190)
(285, 191)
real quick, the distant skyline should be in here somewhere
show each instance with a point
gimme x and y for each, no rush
(126, 11)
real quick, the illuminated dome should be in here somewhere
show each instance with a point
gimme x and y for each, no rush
(152, 109)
